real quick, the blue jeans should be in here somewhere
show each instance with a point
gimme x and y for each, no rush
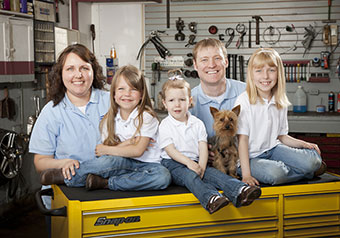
(284, 164)
(123, 174)
(212, 181)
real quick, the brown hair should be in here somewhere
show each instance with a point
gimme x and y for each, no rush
(135, 79)
(209, 42)
(57, 88)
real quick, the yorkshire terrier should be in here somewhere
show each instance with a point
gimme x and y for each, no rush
(224, 143)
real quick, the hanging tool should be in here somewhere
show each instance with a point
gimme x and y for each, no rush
(325, 59)
(228, 68)
(231, 33)
(193, 27)
(167, 13)
(329, 13)
(234, 60)
(93, 35)
(179, 36)
(191, 41)
(249, 35)
(257, 19)
(271, 35)
(241, 29)
(156, 40)
(309, 35)
(213, 30)
(241, 63)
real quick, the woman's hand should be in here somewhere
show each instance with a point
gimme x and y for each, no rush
(251, 181)
(68, 167)
(101, 150)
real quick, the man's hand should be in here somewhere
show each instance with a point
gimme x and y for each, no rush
(101, 149)
(69, 167)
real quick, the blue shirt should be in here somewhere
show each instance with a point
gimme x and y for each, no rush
(202, 103)
(65, 132)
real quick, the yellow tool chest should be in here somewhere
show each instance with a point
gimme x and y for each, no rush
(307, 209)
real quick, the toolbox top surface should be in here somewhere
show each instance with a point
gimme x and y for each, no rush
(82, 194)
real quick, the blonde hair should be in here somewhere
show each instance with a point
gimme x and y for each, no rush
(136, 80)
(258, 59)
(209, 42)
(175, 81)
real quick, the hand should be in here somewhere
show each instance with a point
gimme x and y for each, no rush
(211, 157)
(101, 150)
(195, 167)
(251, 181)
(308, 145)
(69, 167)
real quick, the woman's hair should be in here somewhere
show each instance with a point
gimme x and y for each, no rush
(175, 81)
(258, 59)
(136, 80)
(57, 88)
(209, 42)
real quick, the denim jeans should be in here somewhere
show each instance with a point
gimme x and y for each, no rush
(284, 164)
(213, 181)
(123, 174)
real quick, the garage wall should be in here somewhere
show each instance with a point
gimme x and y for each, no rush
(227, 13)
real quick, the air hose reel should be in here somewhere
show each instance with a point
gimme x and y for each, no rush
(12, 148)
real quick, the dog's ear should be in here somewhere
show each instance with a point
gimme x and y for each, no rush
(213, 111)
(237, 110)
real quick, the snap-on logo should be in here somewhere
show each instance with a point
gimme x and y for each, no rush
(116, 221)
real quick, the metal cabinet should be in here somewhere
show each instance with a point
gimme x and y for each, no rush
(16, 48)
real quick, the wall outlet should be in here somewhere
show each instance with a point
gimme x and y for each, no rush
(314, 91)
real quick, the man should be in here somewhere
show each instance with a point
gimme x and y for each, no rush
(214, 90)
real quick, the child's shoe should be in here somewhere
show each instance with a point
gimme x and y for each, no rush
(248, 195)
(216, 202)
(96, 182)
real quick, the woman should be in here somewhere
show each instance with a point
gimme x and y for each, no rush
(67, 130)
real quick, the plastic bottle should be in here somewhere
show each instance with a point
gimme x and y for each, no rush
(300, 100)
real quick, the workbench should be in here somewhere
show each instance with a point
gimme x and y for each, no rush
(314, 122)
(304, 209)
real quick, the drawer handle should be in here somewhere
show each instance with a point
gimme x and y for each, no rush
(48, 212)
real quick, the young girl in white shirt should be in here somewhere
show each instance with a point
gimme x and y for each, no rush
(184, 140)
(125, 161)
(267, 153)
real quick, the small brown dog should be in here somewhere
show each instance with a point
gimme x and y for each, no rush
(224, 143)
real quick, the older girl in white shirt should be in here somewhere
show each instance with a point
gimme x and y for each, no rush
(267, 153)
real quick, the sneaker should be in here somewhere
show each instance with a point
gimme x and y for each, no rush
(51, 176)
(248, 195)
(216, 203)
(96, 182)
(321, 170)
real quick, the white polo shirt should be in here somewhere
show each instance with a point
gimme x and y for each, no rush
(125, 129)
(262, 123)
(184, 136)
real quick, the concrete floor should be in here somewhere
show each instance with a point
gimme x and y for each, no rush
(29, 224)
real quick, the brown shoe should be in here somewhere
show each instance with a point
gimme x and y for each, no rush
(248, 195)
(96, 182)
(321, 170)
(51, 176)
(216, 203)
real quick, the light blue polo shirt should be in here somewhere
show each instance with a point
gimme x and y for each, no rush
(202, 103)
(65, 132)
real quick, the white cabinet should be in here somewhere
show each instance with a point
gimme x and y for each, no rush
(16, 48)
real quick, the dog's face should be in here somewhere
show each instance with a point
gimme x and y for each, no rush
(225, 121)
